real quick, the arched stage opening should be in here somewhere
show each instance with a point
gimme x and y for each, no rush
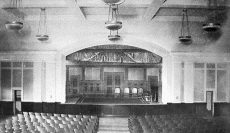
(113, 74)
(129, 44)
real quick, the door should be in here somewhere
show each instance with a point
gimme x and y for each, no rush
(17, 101)
(209, 100)
(113, 80)
(153, 85)
(74, 84)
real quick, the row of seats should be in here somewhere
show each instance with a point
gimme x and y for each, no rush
(172, 124)
(30, 122)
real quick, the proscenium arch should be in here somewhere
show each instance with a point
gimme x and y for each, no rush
(88, 42)
(134, 41)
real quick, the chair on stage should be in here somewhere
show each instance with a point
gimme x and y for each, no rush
(140, 92)
(117, 92)
(126, 92)
(134, 92)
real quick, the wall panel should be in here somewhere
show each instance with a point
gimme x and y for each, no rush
(50, 82)
(114, 69)
(136, 74)
(17, 78)
(92, 73)
(75, 71)
(221, 85)
(6, 84)
(28, 85)
(210, 80)
(199, 85)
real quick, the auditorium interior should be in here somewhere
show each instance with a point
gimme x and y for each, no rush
(145, 66)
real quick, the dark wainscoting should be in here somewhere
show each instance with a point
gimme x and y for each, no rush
(6, 108)
(222, 109)
(201, 109)
(117, 110)
(182, 108)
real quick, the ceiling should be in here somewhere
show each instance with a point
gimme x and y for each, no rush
(70, 20)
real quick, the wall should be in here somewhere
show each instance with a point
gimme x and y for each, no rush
(197, 79)
(93, 82)
(37, 81)
(50, 90)
(116, 110)
(136, 74)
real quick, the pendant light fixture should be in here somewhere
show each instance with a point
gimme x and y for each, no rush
(212, 26)
(42, 27)
(113, 37)
(111, 2)
(113, 24)
(15, 24)
(185, 32)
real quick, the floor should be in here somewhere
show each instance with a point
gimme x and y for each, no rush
(113, 125)
(112, 101)
(3, 118)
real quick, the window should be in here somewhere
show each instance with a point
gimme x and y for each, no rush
(6, 84)
(17, 75)
(221, 85)
(210, 76)
(136, 73)
(210, 79)
(28, 64)
(92, 73)
(5, 64)
(17, 64)
(199, 65)
(199, 85)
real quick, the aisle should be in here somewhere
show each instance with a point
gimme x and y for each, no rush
(113, 125)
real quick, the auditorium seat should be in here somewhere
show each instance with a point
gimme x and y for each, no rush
(173, 124)
(33, 122)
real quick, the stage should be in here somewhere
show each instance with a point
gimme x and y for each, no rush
(90, 106)
(108, 101)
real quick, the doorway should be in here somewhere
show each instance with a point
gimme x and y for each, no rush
(209, 100)
(153, 85)
(113, 80)
(74, 84)
(17, 101)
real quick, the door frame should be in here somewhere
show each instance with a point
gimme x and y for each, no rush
(113, 86)
(149, 87)
(212, 103)
(15, 100)
(77, 77)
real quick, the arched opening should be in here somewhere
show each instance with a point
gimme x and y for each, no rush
(105, 71)
(137, 42)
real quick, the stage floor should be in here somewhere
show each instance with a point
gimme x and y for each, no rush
(108, 101)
